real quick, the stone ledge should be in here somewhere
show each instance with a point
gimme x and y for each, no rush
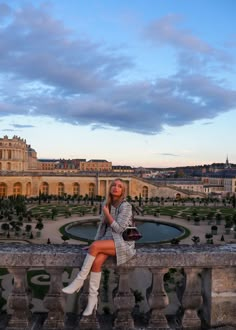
(53, 255)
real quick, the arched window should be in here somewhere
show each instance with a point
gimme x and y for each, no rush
(44, 188)
(9, 154)
(60, 189)
(3, 189)
(17, 189)
(178, 196)
(91, 190)
(76, 189)
(28, 189)
(8, 166)
(145, 192)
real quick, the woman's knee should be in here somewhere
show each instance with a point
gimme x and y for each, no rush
(93, 249)
(106, 247)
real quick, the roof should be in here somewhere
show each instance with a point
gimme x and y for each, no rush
(98, 160)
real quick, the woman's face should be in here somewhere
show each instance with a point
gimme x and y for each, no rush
(116, 189)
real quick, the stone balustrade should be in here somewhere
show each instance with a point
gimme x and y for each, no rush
(207, 298)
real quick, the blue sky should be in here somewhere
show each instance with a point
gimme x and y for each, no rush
(141, 83)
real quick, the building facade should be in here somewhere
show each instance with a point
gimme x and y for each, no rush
(16, 155)
(96, 165)
(32, 184)
(21, 173)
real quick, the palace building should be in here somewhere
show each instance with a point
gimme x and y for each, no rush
(16, 155)
(22, 173)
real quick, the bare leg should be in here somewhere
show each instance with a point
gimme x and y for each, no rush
(98, 262)
(106, 247)
(99, 250)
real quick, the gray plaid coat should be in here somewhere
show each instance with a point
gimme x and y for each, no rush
(123, 217)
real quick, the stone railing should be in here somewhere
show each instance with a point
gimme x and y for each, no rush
(206, 295)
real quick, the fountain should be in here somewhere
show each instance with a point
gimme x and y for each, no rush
(152, 231)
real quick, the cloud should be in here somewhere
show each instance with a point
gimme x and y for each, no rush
(22, 126)
(47, 70)
(35, 47)
(8, 130)
(192, 52)
(5, 11)
(165, 32)
(168, 154)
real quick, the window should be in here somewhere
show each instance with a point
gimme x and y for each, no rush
(60, 189)
(17, 189)
(76, 189)
(44, 188)
(91, 190)
(28, 189)
(3, 190)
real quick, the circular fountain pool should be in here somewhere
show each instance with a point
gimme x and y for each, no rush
(152, 231)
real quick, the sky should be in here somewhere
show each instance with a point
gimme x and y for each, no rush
(147, 83)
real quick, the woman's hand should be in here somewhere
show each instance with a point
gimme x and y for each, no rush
(108, 218)
(106, 211)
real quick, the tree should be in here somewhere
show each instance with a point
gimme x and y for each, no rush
(234, 201)
(214, 229)
(209, 239)
(218, 218)
(175, 241)
(28, 228)
(65, 238)
(140, 200)
(54, 212)
(39, 226)
(5, 227)
(17, 230)
(234, 218)
(196, 239)
(13, 224)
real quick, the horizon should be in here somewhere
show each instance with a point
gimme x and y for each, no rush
(108, 160)
(142, 85)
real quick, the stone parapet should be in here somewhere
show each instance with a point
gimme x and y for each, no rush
(207, 297)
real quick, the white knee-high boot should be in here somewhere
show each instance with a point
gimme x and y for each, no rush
(94, 283)
(78, 282)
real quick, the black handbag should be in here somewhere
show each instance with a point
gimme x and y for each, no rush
(131, 234)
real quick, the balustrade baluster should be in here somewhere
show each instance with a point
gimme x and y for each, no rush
(54, 301)
(192, 299)
(221, 300)
(19, 301)
(91, 321)
(124, 301)
(158, 300)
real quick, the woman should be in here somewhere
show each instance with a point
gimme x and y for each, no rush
(116, 216)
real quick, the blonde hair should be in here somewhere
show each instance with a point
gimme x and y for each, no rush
(109, 199)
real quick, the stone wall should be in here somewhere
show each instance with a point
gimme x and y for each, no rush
(31, 184)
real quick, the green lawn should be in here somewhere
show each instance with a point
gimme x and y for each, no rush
(185, 211)
(59, 210)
